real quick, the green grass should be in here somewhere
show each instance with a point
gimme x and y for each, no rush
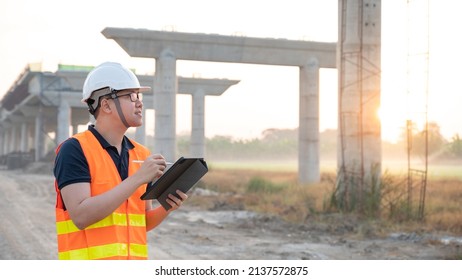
(258, 184)
(276, 165)
(435, 171)
(270, 187)
(255, 165)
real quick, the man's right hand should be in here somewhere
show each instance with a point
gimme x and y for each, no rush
(152, 168)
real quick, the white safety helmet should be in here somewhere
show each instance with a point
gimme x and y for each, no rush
(110, 75)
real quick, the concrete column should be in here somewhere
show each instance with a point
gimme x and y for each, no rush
(2, 141)
(308, 144)
(39, 136)
(352, 18)
(140, 132)
(359, 91)
(24, 138)
(6, 138)
(75, 129)
(64, 121)
(165, 89)
(197, 148)
(14, 138)
(372, 130)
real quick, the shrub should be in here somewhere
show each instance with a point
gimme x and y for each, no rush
(260, 185)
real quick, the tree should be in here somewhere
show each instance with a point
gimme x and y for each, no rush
(455, 147)
(435, 142)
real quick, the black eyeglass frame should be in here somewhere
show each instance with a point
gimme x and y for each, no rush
(138, 95)
(111, 94)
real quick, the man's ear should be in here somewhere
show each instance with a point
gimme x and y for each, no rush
(105, 106)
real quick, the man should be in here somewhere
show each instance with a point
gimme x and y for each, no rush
(99, 213)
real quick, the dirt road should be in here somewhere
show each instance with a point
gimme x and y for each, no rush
(27, 232)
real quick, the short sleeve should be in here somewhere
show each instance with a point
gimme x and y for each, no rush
(71, 166)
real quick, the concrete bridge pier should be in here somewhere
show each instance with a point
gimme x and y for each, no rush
(6, 139)
(75, 129)
(39, 135)
(197, 148)
(199, 89)
(24, 144)
(220, 48)
(165, 89)
(2, 141)
(308, 156)
(64, 121)
(14, 138)
(140, 132)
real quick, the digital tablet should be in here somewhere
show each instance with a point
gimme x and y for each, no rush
(182, 175)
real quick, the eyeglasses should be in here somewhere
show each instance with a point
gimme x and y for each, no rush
(134, 96)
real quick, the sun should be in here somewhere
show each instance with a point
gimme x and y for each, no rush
(392, 118)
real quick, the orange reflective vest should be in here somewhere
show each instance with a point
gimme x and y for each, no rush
(122, 234)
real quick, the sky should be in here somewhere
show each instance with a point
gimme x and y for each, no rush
(53, 32)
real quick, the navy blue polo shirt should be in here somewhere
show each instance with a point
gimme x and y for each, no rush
(71, 166)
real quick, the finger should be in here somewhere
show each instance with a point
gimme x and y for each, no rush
(157, 163)
(182, 195)
(157, 156)
(161, 162)
(175, 199)
(172, 204)
(159, 174)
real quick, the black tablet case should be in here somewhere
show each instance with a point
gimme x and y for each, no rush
(182, 175)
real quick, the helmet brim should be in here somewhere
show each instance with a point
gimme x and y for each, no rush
(144, 89)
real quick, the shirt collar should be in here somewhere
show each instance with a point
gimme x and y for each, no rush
(126, 143)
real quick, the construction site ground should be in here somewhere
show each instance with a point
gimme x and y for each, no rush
(27, 231)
